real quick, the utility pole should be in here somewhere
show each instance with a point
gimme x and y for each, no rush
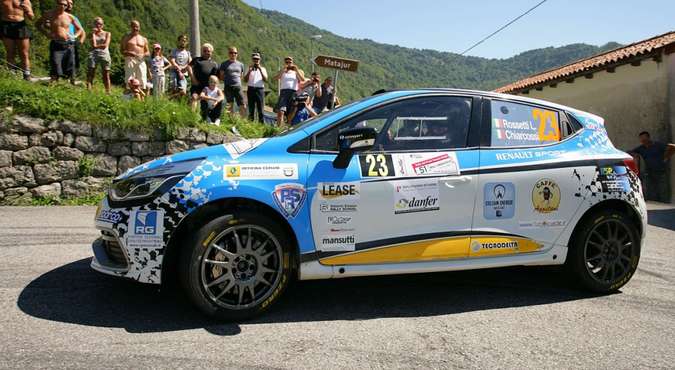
(311, 49)
(195, 40)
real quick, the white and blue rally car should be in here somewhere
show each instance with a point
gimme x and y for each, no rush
(400, 182)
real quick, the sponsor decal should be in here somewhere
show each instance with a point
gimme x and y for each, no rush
(528, 154)
(339, 220)
(517, 124)
(542, 224)
(341, 230)
(337, 208)
(477, 246)
(614, 179)
(415, 196)
(545, 196)
(264, 171)
(108, 216)
(238, 148)
(338, 243)
(146, 229)
(500, 200)
(422, 164)
(339, 190)
(289, 198)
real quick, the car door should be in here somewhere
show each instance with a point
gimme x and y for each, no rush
(410, 198)
(526, 189)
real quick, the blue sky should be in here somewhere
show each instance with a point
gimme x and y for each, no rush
(455, 25)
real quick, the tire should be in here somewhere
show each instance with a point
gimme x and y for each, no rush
(604, 252)
(230, 279)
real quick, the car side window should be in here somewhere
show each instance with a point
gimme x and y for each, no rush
(514, 124)
(424, 123)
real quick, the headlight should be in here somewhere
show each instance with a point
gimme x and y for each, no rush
(146, 184)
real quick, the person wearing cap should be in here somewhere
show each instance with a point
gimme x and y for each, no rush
(157, 70)
(326, 99)
(231, 72)
(290, 78)
(255, 77)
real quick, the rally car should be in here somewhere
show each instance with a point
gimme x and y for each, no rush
(400, 182)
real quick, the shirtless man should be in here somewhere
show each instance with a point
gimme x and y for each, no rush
(15, 33)
(135, 49)
(55, 24)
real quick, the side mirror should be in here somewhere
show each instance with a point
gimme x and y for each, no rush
(351, 141)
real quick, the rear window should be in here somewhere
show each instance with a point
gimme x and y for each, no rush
(514, 124)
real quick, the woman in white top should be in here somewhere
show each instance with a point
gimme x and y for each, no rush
(291, 78)
(99, 54)
(212, 101)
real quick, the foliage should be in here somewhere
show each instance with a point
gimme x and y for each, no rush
(275, 35)
(86, 165)
(87, 200)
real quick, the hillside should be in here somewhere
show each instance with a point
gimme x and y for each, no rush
(231, 22)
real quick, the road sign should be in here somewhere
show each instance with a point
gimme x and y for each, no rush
(340, 64)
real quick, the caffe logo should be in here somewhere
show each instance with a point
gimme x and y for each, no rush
(546, 196)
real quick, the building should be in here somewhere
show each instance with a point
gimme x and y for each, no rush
(632, 88)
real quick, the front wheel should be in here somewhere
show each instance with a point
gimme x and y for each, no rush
(605, 251)
(236, 266)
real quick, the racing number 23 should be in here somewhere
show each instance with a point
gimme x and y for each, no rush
(376, 165)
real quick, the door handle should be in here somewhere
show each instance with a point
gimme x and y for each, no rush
(452, 180)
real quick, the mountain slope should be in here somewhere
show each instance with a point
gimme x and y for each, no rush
(231, 22)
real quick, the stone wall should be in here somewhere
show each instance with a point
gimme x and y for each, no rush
(62, 159)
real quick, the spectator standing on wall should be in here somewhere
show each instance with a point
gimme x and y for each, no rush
(135, 49)
(99, 54)
(15, 33)
(212, 101)
(200, 70)
(231, 71)
(290, 79)
(55, 24)
(180, 60)
(77, 38)
(312, 87)
(656, 156)
(256, 76)
(326, 99)
(158, 66)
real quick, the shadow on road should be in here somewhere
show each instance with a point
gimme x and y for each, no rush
(73, 293)
(664, 218)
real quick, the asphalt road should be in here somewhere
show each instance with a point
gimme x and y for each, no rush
(56, 312)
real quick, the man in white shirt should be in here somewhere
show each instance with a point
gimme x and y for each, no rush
(256, 76)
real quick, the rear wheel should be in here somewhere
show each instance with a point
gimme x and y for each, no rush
(605, 251)
(236, 266)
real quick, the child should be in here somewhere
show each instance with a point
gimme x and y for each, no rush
(158, 65)
(212, 101)
(134, 91)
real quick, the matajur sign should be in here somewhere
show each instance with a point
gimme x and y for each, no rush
(341, 64)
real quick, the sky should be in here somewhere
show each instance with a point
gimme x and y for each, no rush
(450, 25)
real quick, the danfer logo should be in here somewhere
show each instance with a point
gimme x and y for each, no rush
(145, 223)
(546, 196)
(289, 198)
(415, 204)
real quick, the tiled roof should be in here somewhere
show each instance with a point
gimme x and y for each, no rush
(599, 61)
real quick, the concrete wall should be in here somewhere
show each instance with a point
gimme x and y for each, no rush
(632, 99)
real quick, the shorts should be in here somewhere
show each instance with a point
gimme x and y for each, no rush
(233, 93)
(14, 30)
(102, 59)
(196, 89)
(61, 58)
(285, 101)
(136, 67)
(178, 83)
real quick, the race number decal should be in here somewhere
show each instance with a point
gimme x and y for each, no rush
(376, 165)
(549, 131)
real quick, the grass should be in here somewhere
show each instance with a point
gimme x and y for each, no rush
(62, 101)
(88, 200)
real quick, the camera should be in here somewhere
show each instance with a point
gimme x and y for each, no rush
(302, 98)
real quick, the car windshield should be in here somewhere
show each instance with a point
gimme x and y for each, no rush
(320, 117)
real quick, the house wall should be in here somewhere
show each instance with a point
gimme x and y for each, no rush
(631, 100)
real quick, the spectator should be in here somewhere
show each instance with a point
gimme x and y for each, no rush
(256, 76)
(290, 78)
(656, 156)
(134, 90)
(76, 38)
(300, 111)
(180, 60)
(231, 72)
(15, 33)
(55, 24)
(201, 69)
(326, 99)
(158, 66)
(99, 54)
(312, 88)
(212, 101)
(134, 47)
